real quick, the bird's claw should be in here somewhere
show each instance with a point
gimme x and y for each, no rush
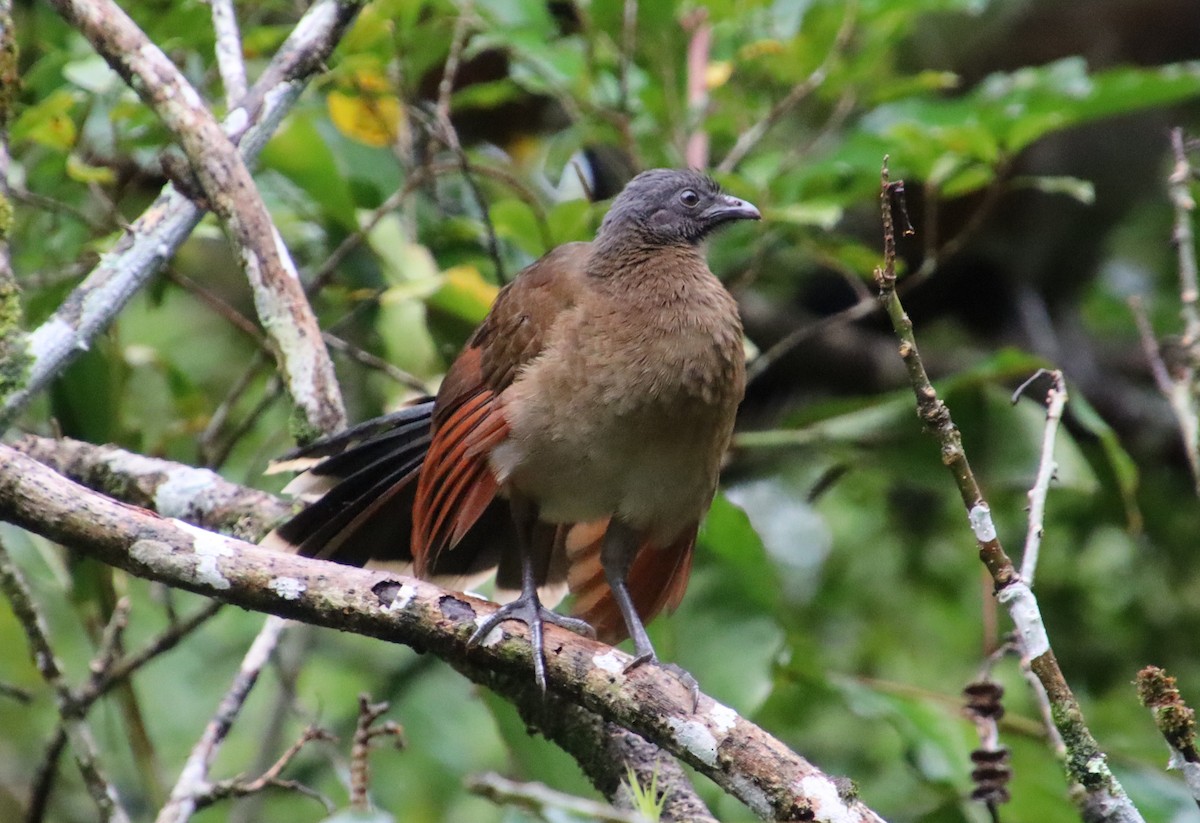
(532, 613)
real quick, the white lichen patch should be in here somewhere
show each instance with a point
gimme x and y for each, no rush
(723, 717)
(404, 596)
(696, 738)
(289, 588)
(827, 804)
(177, 495)
(1026, 618)
(981, 523)
(493, 637)
(209, 549)
(610, 661)
(236, 120)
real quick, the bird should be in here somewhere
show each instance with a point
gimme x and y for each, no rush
(574, 444)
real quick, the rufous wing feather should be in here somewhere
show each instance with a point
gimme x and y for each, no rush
(656, 580)
(456, 484)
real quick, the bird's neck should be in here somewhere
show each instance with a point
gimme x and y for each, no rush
(631, 261)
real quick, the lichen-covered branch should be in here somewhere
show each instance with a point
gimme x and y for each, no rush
(745, 761)
(231, 193)
(1100, 796)
(1056, 402)
(154, 236)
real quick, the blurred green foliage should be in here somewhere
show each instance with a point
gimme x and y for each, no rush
(837, 599)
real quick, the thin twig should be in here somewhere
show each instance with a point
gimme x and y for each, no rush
(77, 732)
(1056, 401)
(540, 799)
(1185, 245)
(207, 445)
(372, 361)
(629, 16)
(699, 30)
(1182, 395)
(16, 693)
(193, 783)
(449, 136)
(229, 51)
(124, 667)
(238, 787)
(360, 750)
(1098, 787)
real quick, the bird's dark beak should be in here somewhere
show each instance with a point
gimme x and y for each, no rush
(726, 209)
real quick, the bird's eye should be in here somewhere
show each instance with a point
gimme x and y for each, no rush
(689, 198)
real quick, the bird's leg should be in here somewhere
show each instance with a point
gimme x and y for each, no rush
(617, 553)
(528, 608)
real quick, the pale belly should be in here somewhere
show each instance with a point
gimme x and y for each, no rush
(653, 470)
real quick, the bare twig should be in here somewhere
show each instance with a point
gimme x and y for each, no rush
(1180, 388)
(102, 681)
(629, 16)
(229, 51)
(1100, 794)
(375, 362)
(1056, 401)
(365, 732)
(699, 30)
(211, 455)
(193, 784)
(270, 779)
(163, 227)
(1044, 708)
(1154, 359)
(449, 136)
(16, 693)
(77, 733)
(539, 798)
(1185, 246)
(740, 757)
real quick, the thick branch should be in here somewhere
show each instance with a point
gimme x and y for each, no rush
(741, 758)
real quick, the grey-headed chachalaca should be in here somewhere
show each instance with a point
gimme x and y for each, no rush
(575, 442)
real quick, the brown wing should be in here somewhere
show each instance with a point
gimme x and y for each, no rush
(456, 483)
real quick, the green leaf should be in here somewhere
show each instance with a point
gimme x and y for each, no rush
(300, 153)
(515, 221)
(49, 122)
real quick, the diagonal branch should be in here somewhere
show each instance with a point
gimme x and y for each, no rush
(164, 226)
(745, 761)
(232, 195)
(1099, 793)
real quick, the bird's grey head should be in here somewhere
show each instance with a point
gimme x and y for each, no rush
(672, 207)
